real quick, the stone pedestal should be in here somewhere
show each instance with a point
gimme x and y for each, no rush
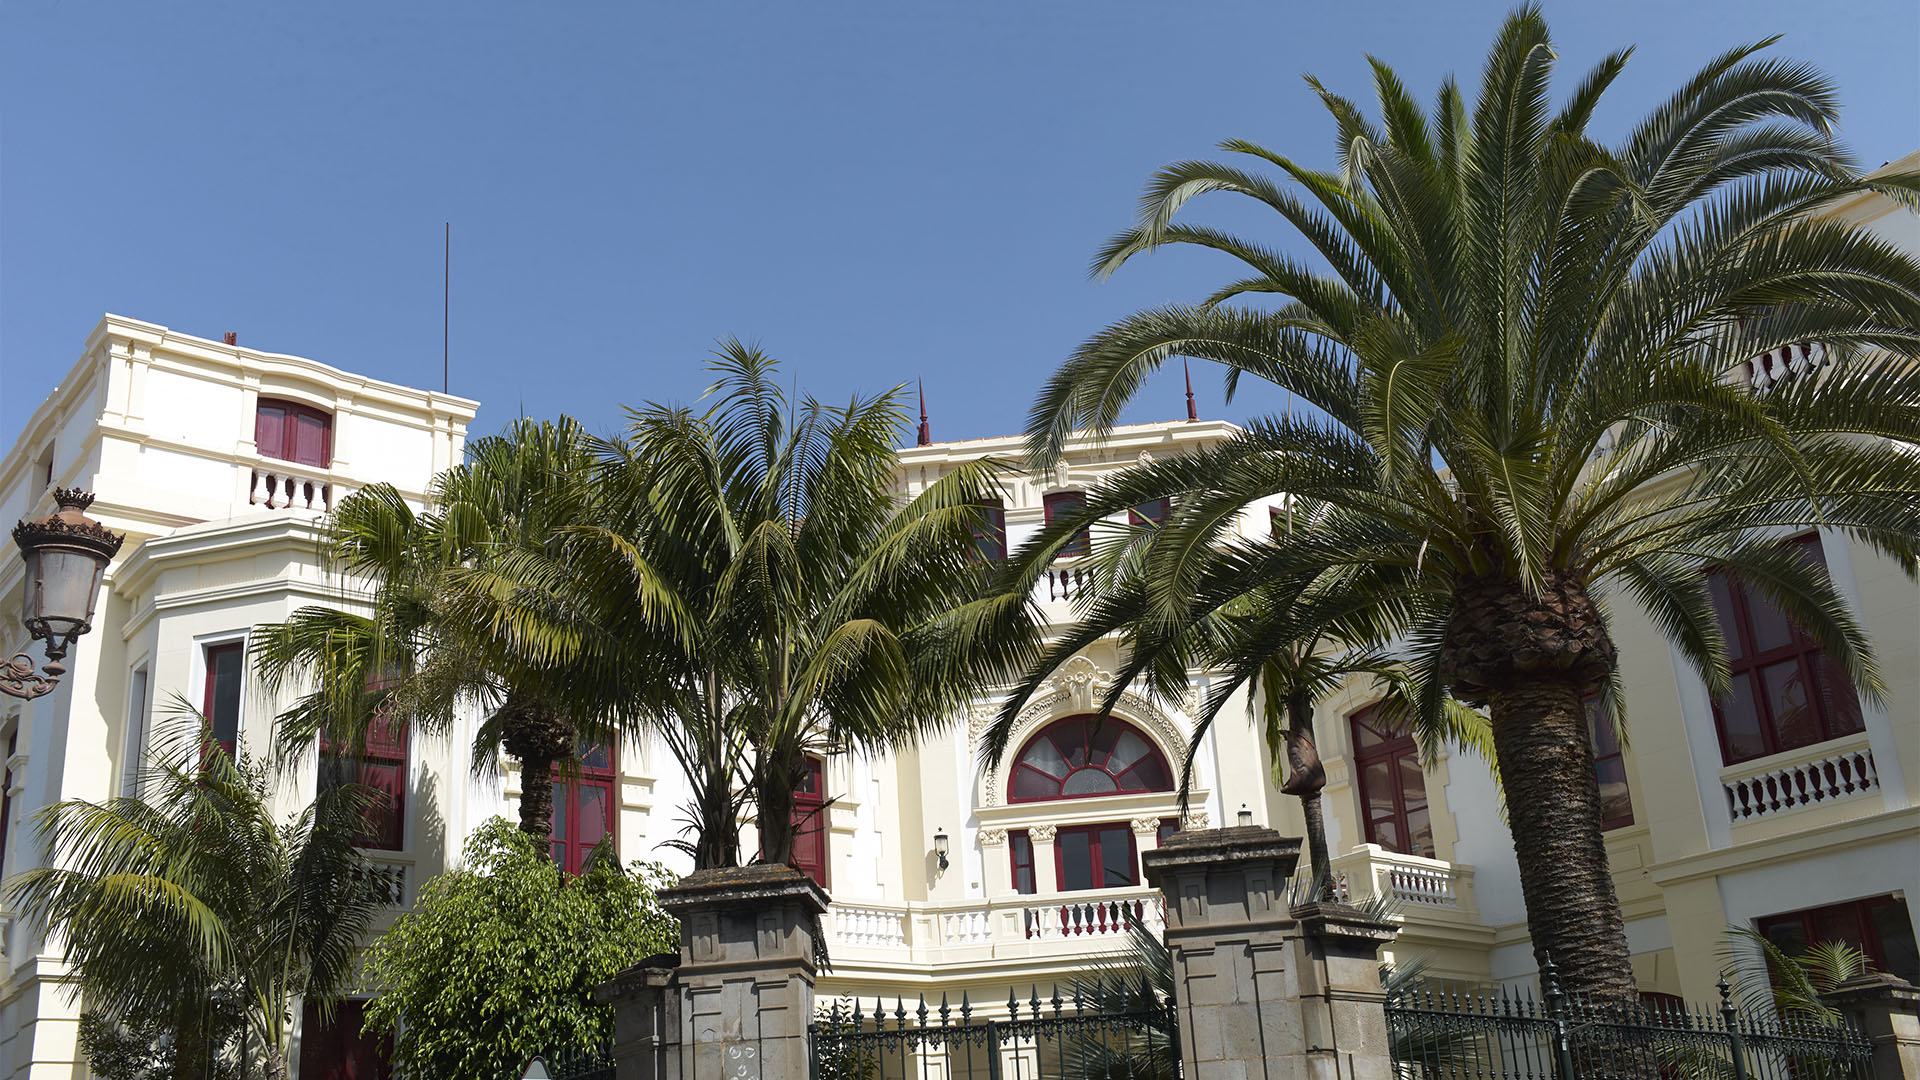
(1887, 1008)
(1266, 992)
(736, 1002)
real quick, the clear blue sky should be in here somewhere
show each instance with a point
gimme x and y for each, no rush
(875, 192)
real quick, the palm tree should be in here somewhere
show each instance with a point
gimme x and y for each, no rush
(194, 893)
(780, 598)
(472, 602)
(1518, 361)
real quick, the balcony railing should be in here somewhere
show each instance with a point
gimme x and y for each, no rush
(1064, 924)
(1820, 774)
(280, 485)
(1418, 884)
(1786, 362)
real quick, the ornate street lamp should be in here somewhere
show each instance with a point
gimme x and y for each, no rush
(66, 554)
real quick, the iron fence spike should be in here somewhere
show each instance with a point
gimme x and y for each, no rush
(943, 1008)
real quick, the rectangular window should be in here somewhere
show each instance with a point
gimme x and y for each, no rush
(990, 532)
(810, 822)
(1020, 850)
(1786, 692)
(293, 432)
(1151, 514)
(1393, 790)
(341, 1050)
(136, 739)
(6, 804)
(1168, 826)
(1065, 503)
(1095, 857)
(381, 768)
(1877, 926)
(585, 808)
(1609, 767)
(226, 674)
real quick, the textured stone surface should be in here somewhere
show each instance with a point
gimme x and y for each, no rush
(1887, 1008)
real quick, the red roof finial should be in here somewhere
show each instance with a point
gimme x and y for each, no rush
(1192, 412)
(926, 429)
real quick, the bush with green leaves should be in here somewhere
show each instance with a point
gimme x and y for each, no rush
(499, 958)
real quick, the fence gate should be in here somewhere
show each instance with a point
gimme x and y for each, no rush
(1096, 1033)
(1449, 1034)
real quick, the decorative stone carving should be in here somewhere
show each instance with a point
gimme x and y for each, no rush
(1077, 687)
(1042, 834)
(1194, 819)
(992, 837)
(1146, 826)
(1061, 474)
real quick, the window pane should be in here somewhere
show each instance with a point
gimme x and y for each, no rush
(560, 824)
(383, 817)
(595, 808)
(1771, 629)
(1741, 722)
(1045, 757)
(1721, 592)
(596, 759)
(1067, 503)
(1365, 735)
(1128, 749)
(1419, 833)
(1022, 853)
(1840, 923)
(1789, 935)
(1386, 833)
(1071, 741)
(1149, 775)
(1616, 807)
(1076, 860)
(269, 428)
(990, 532)
(1898, 953)
(309, 439)
(225, 669)
(1838, 699)
(1116, 857)
(1089, 782)
(1793, 719)
(1167, 829)
(1102, 734)
(1376, 779)
(1413, 785)
(1028, 784)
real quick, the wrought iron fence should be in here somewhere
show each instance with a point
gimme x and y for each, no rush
(1449, 1034)
(578, 1063)
(1105, 1032)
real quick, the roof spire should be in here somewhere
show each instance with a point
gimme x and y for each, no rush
(1192, 412)
(926, 429)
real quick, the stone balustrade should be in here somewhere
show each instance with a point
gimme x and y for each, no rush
(1417, 883)
(1819, 774)
(280, 485)
(1067, 584)
(1024, 926)
(1786, 362)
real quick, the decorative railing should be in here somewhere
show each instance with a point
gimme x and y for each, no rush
(391, 881)
(1371, 870)
(277, 487)
(1065, 922)
(1786, 362)
(1823, 776)
(1068, 583)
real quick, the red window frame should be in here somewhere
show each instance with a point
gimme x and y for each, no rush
(810, 822)
(1068, 502)
(277, 431)
(1609, 760)
(1153, 759)
(596, 774)
(1026, 879)
(1828, 696)
(382, 766)
(1397, 751)
(1168, 826)
(1860, 923)
(1097, 868)
(221, 705)
(990, 533)
(6, 801)
(1150, 514)
(341, 1050)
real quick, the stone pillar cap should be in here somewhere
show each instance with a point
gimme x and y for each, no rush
(1212, 847)
(1875, 986)
(1324, 918)
(757, 885)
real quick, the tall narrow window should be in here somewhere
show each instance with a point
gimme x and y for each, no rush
(1609, 767)
(1150, 514)
(382, 767)
(136, 739)
(293, 432)
(990, 531)
(1020, 850)
(226, 672)
(1393, 791)
(1787, 693)
(810, 822)
(585, 808)
(1063, 504)
(6, 805)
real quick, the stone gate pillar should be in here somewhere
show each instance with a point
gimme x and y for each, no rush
(1887, 1008)
(737, 1002)
(1265, 992)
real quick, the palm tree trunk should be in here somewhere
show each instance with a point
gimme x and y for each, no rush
(538, 736)
(276, 1065)
(774, 814)
(536, 798)
(1553, 806)
(1305, 777)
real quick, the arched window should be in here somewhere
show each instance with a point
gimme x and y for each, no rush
(1085, 757)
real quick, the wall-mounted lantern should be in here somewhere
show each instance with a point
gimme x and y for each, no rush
(1246, 817)
(66, 554)
(940, 847)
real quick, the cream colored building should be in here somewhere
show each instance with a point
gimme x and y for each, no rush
(219, 462)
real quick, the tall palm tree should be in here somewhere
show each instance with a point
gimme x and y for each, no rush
(780, 597)
(1518, 360)
(472, 601)
(194, 891)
